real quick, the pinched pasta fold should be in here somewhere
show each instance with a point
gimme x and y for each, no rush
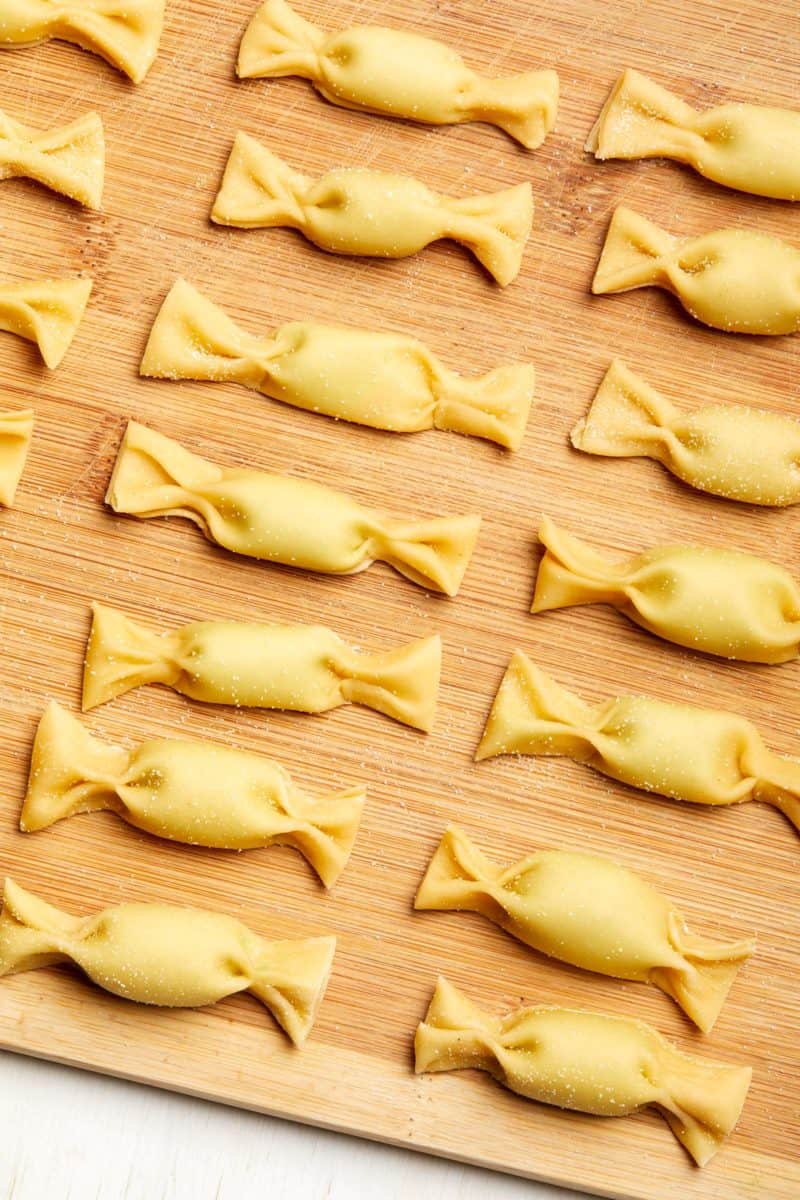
(750, 147)
(395, 73)
(69, 159)
(723, 602)
(16, 431)
(300, 668)
(736, 280)
(167, 956)
(377, 214)
(199, 793)
(284, 519)
(385, 380)
(590, 912)
(700, 755)
(126, 33)
(585, 1061)
(47, 312)
(725, 449)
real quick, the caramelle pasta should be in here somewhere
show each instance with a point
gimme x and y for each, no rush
(724, 602)
(376, 214)
(167, 956)
(283, 518)
(736, 280)
(726, 449)
(395, 73)
(302, 668)
(588, 1062)
(751, 147)
(701, 755)
(200, 793)
(384, 380)
(591, 912)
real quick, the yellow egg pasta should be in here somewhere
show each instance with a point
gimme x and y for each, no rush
(395, 73)
(16, 431)
(47, 312)
(699, 755)
(590, 912)
(69, 160)
(376, 214)
(725, 449)
(587, 1062)
(750, 147)
(723, 602)
(736, 280)
(199, 793)
(384, 380)
(284, 519)
(125, 33)
(170, 957)
(300, 668)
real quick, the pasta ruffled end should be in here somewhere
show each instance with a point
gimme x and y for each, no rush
(69, 160)
(641, 119)
(71, 771)
(258, 189)
(31, 931)
(495, 407)
(434, 554)
(47, 312)
(572, 572)
(126, 33)
(495, 227)
(278, 42)
(402, 683)
(532, 714)
(16, 431)
(702, 985)
(702, 1100)
(627, 418)
(122, 655)
(290, 979)
(632, 253)
(457, 875)
(525, 106)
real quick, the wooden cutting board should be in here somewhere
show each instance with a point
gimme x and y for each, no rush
(730, 870)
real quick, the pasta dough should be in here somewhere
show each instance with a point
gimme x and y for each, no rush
(725, 449)
(125, 33)
(385, 380)
(608, 1066)
(16, 430)
(699, 755)
(590, 912)
(194, 792)
(396, 73)
(745, 146)
(372, 213)
(47, 312)
(171, 957)
(724, 602)
(302, 668)
(733, 279)
(69, 159)
(283, 519)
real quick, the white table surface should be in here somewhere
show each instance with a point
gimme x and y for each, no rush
(70, 1135)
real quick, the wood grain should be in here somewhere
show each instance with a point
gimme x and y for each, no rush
(731, 870)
